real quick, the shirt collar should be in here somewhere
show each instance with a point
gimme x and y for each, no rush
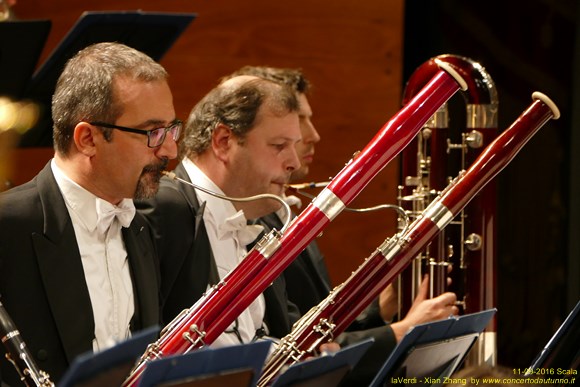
(80, 201)
(220, 209)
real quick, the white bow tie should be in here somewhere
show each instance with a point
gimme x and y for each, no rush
(107, 212)
(238, 226)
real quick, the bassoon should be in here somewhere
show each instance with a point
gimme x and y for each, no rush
(468, 244)
(210, 316)
(345, 302)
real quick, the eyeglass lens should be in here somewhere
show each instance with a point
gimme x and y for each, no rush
(157, 136)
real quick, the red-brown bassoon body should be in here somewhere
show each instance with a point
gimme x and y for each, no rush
(469, 243)
(212, 314)
(334, 314)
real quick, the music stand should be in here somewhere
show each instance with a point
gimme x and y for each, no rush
(150, 32)
(563, 348)
(323, 371)
(21, 43)
(430, 352)
(111, 366)
(237, 365)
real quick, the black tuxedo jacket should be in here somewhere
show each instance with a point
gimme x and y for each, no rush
(42, 282)
(186, 259)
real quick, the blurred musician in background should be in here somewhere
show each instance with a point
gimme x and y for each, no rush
(307, 280)
(78, 266)
(239, 141)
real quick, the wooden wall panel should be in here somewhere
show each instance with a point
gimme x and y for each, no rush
(350, 50)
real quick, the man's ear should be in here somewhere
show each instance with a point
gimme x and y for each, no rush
(221, 141)
(84, 137)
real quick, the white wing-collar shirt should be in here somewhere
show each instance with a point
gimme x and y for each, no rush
(104, 260)
(228, 252)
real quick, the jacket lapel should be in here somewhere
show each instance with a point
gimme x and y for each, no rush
(144, 273)
(202, 246)
(61, 270)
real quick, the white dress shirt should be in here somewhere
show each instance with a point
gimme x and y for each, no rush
(228, 253)
(104, 260)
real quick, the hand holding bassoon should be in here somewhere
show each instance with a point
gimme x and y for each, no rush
(425, 309)
(335, 313)
(388, 303)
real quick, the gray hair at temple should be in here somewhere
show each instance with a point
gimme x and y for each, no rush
(290, 77)
(85, 90)
(235, 103)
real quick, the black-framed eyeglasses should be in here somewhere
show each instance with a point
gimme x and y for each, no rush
(155, 137)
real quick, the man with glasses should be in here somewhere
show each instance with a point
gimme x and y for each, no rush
(78, 266)
(155, 137)
(239, 141)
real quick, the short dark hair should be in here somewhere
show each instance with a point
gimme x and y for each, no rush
(85, 89)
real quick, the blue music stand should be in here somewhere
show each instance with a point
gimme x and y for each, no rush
(237, 365)
(111, 366)
(324, 371)
(429, 352)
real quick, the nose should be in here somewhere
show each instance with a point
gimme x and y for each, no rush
(168, 149)
(293, 161)
(309, 133)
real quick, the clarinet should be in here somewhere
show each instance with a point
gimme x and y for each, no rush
(17, 353)
(201, 324)
(335, 313)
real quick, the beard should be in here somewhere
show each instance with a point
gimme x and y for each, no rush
(148, 183)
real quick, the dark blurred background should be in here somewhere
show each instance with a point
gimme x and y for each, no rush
(525, 46)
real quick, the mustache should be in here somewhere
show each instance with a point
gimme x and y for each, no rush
(156, 168)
